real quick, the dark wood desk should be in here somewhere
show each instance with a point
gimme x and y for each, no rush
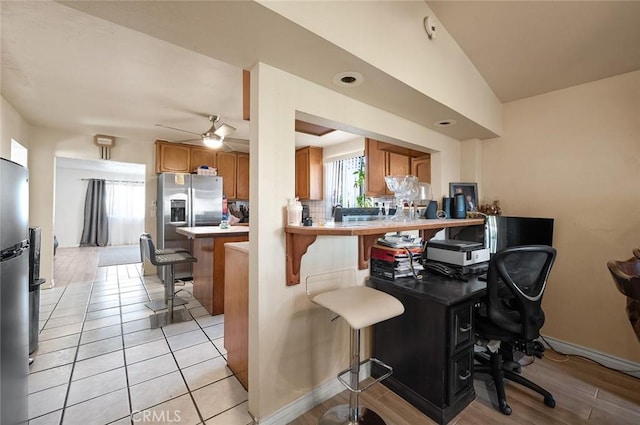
(430, 346)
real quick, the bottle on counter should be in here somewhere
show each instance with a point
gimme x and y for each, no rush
(294, 212)
(224, 224)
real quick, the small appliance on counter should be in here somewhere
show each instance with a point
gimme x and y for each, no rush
(466, 256)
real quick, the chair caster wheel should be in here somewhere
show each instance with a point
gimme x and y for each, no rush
(549, 401)
(506, 410)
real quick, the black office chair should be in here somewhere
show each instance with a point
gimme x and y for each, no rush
(511, 313)
(626, 276)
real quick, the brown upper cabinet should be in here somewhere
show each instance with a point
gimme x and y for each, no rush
(309, 174)
(172, 157)
(242, 176)
(384, 159)
(183, 158)
(202, 156)
(421, 167)
(234, 169)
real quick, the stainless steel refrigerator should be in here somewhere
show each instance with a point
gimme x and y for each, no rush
(14, 290)
(186, 200)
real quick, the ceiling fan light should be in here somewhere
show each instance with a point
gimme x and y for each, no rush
(212, 141)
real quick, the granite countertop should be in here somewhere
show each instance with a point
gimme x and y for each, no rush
(211, 231)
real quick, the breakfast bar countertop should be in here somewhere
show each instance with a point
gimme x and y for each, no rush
(211, 231)
(299, 238)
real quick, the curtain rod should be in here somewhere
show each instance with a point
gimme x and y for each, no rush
(117, 181)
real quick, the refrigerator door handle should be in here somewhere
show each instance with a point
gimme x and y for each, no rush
(15, 251)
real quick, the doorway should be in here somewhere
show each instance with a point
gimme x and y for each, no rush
(125, 199)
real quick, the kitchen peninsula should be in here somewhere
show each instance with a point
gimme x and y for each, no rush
(208, 273)
(299, 238)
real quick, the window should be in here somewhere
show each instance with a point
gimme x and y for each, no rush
(341, 178)
(18, 153)
(125, 210)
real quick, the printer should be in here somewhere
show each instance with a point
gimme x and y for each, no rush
(466, 256)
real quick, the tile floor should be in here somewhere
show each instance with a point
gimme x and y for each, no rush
(98, 362)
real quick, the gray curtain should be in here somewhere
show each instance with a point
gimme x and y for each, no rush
(96, 225)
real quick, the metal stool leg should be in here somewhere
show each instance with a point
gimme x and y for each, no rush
(352, 414)
(158, 320)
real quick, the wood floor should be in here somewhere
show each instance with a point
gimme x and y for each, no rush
(585, 392)
(75, 265)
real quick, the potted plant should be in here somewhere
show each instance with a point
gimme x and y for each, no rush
(362, 200)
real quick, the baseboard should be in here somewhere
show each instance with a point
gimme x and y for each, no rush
(625, 366)
(308, 401)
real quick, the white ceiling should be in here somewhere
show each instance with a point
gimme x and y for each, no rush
(65, 67)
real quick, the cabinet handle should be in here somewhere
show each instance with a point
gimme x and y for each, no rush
(466, 376)
(467, 328)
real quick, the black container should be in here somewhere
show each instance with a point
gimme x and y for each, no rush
(459, 206)
(431, 210)
(447, 204)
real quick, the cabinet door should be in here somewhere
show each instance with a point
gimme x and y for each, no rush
(309, 174)
(398, 165)
(303, 179)
(242, 177)
(421, 168)
(316, 174)
(227, 163)
(202, 156)
(172, 158)
(375, 168)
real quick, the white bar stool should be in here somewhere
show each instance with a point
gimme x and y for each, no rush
(360, 306)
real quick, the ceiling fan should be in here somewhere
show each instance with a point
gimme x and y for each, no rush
(214, 137)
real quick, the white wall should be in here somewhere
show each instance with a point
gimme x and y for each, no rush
(44, 146)
(390, 35)
(348, 149)
(294, 345)
(71, 191)
(574, 155)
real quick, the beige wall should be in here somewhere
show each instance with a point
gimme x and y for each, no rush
(294, 345)
(12, 126)
(574, 155)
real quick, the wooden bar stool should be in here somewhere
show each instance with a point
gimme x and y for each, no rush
(360, 306)
(170, 301)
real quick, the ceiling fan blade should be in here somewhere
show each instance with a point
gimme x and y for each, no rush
(188, 140)
(224, 130)
(178, 129)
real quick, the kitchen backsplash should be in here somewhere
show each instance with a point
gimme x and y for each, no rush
(320, 210)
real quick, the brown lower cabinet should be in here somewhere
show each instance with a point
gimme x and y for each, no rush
(430, 345)
(209, 271)
(236, 310)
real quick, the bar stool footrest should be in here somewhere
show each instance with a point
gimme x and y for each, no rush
(388, 373)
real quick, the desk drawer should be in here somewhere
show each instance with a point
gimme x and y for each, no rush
(460, 375)
(461, 327)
